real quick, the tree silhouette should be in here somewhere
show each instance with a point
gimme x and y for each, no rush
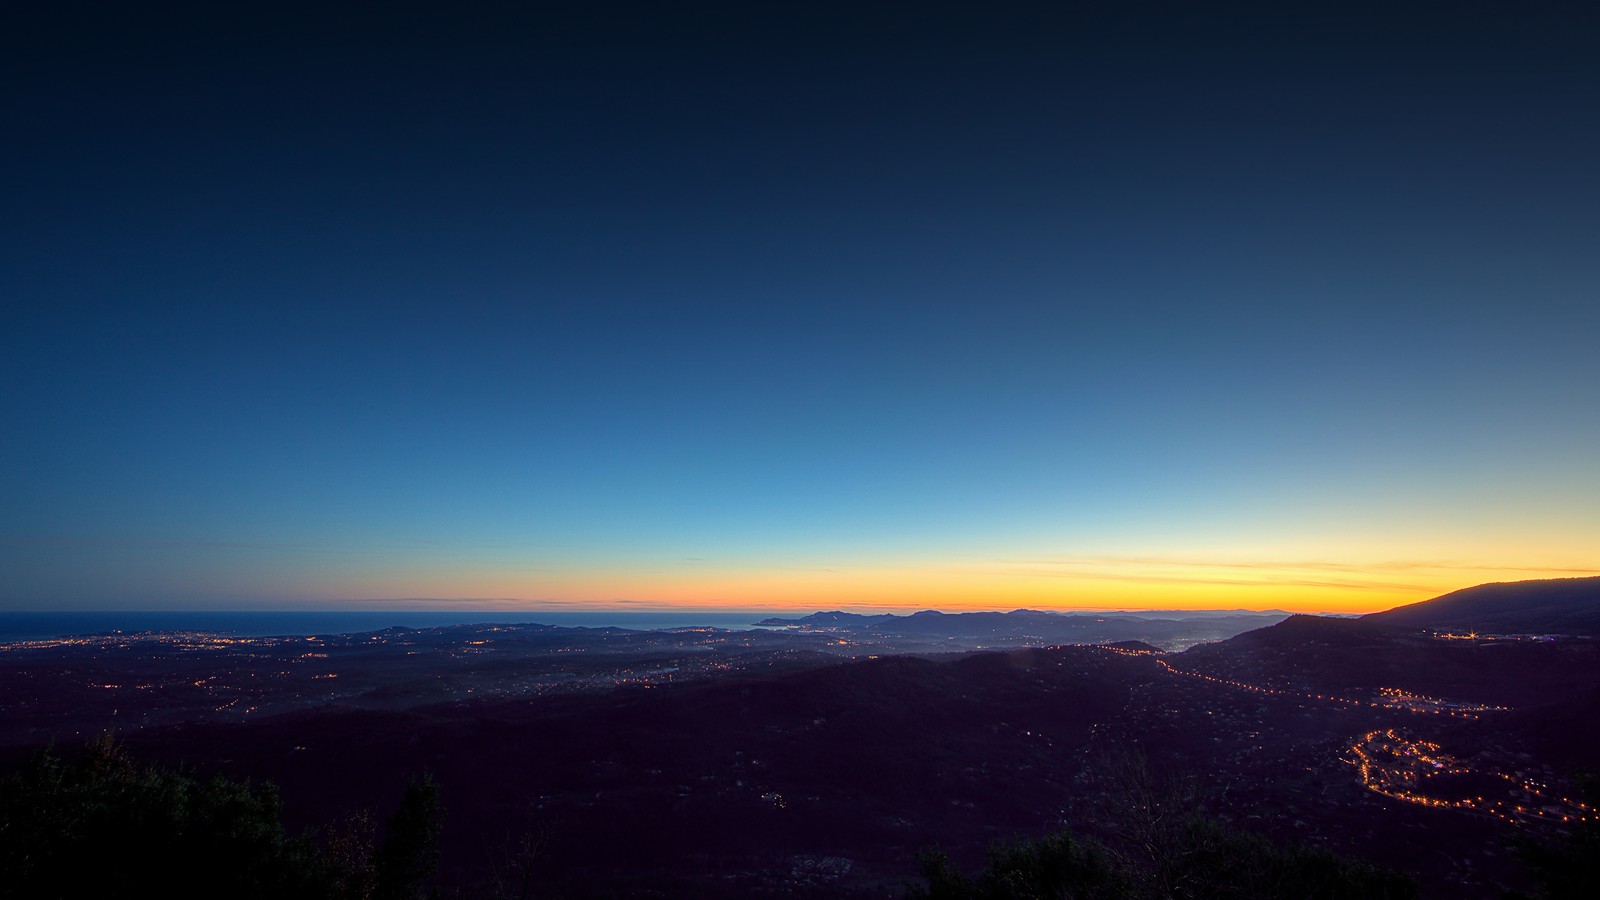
(1159, 847)
(1211, 863)
(1570, 869)
(1057, 866)
(104, 826)
(408, 857)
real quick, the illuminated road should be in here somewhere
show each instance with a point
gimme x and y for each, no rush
(1417, 771)
(1420, 772)
(1388, 698)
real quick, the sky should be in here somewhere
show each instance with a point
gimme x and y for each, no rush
(607, 306)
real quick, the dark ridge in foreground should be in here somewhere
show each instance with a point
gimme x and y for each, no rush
(813, 762)
(1340, 656)
(733, 787)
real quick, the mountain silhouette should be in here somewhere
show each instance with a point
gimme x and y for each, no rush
(1036, 626)
(1554, 606)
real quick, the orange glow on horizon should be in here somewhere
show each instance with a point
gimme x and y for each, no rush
(1091, 584)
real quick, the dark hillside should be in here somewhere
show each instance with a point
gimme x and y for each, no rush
(741, 778)
(1333, 655)
(827, 781)
(1558, 606)
(1302, 630)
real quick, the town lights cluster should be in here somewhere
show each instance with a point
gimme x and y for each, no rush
(1402, 768)
(1418, 771)
(1395, 698)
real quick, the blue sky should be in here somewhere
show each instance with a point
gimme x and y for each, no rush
(708, 307)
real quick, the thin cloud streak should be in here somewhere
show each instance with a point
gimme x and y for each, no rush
(1392, 565)
(1229, 582)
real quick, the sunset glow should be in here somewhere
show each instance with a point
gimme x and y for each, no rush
(657, 337)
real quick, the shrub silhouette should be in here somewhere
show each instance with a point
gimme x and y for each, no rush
(105, 826)
(1210, 863)
(1057, 866)
(407, 858)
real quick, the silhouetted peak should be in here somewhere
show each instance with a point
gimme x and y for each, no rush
(1301, 628)
(1549, 606)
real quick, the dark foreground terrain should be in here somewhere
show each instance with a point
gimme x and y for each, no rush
(709, 764)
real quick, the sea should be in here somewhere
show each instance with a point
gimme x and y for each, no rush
(30, 626)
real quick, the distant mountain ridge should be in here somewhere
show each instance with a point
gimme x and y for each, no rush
(830, 619)
(1551, 606)
(1034, 625)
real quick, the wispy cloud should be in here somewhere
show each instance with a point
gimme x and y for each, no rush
(494, 601)
(1296, 565)
(1268, 581)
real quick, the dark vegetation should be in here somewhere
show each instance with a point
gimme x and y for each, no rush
(106, 826)
(1569, 869)
(732, 784)
(1151, 841)
(1205, 861)
(103, 825)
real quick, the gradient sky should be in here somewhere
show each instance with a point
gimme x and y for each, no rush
(766, 306)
